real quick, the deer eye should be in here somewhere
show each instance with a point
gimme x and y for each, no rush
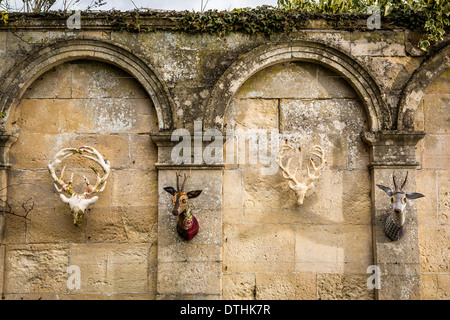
(184, 201)
(392, 199)
(403, 200)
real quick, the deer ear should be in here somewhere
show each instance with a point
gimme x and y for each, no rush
(414, 195)
(92, 200)
(386, 189)
(64, 198)
(194, 194)
(170, 190)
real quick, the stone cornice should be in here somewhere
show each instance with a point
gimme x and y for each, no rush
(392, 148)
(6, 140)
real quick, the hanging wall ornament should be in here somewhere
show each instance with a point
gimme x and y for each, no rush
(313, 170)
(79, 202)
(395, 224)
(187, 226)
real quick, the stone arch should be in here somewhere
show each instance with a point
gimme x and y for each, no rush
(413, 92)
(257, 59)
(43, 59)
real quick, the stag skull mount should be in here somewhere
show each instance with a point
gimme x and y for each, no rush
(313, 170)
(187, 226)
(79, 202)
(395, 224)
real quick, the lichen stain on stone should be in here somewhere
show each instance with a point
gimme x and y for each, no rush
(115, 116)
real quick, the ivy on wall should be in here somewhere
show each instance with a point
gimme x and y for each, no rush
(429, 16)
(4, 17)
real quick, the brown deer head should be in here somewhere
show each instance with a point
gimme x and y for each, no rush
(187, 226)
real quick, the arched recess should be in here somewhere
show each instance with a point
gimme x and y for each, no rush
(262, 57)
(43, 59)
(414, 91)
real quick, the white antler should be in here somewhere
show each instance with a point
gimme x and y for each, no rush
(300, 188)
(101, 181)
(57, 159)
(79, 202)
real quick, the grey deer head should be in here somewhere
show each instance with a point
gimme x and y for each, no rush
(395, 225)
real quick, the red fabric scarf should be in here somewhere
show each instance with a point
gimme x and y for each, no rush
(190, 233)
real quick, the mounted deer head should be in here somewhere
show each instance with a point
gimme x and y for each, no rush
(187, 226)
(395, 225)
(79, 202)
(300, 188)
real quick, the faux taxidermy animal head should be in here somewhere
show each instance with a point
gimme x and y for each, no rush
(79, 202)
(395, 225)
(187, 226)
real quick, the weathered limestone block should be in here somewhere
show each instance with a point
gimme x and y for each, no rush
(392, 72)
(112, 268)
(98, 81)
(40, 268)
(280, 286)
(427, 206)
(189, 278)
(440, 84)
(379, 43)
(333, 85)
(339, 40)
(35, 150)
(2, 265)
(267, 191)
(258, 248)
(433, 256)
(133, 187)
(31, 184)
(271, 82)
(332, 123)
(233, 196)
(444, 196)
(250, 114)
(143, 153)
(114, 148)
(435, 287)
(51, 225)
(241, 286)
(54, 84)
(333, 248)
(433, 152)
(434, 109)
(343, 287)
(122, 224)
(356, 201)
(41, 115)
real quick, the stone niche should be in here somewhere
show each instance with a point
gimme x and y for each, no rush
(274, 248)
(74, 104)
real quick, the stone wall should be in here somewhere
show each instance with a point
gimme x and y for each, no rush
(433, 178)
(367, 97)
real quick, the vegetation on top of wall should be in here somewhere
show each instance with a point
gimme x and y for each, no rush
(4, 17)
(429, 16)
